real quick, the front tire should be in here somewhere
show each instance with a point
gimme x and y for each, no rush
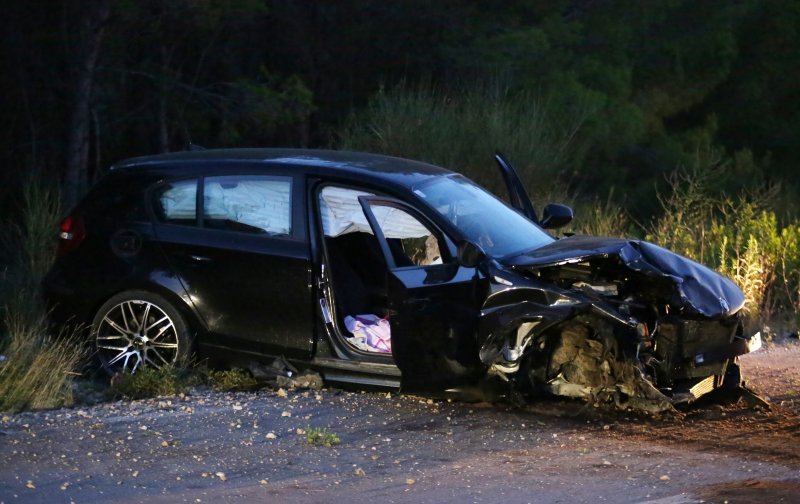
(135, 329)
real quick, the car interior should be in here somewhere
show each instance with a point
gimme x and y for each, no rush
(357, 267)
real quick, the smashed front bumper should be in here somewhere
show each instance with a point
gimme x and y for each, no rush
(587, 351)
(681, 376)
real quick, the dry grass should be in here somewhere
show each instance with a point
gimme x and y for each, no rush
(599, 218)
(39, 367)
(740, 238)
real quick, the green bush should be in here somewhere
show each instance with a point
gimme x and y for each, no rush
(153, 382)
(235, 379)
(741, 239)
(601, 218)
(321, 436)
(39, 367)
(29, 250)
(462, 128)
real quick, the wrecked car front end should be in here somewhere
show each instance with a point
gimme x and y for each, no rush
(612, 319)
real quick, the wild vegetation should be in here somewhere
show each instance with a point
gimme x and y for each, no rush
(646, 81)
(235, 379)
(38, 366)
(461, 129)
(742, 238)
(321, 436)
(152, 382)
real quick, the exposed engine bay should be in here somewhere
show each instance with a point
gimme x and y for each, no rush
(628, 322)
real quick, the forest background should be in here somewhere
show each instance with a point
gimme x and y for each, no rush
(677, 120)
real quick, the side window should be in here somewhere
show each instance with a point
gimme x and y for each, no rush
(410, 242)
(176, 202)
(341, 212)
(248, 203)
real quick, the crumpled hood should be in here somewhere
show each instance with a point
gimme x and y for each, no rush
(698, 287)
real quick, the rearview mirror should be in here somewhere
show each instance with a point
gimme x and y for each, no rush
(555, 216)
(469, 255)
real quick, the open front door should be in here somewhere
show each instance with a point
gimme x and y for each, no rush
(517, 194)
(432, 301)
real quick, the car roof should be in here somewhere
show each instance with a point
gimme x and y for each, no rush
(398, 170)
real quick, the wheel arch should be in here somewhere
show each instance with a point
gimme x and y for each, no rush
(179, 300)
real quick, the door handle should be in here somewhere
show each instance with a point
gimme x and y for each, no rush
(199, 258)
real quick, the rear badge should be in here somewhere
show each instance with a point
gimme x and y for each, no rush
(126, 243)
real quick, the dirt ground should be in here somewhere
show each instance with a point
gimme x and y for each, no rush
(215, 447)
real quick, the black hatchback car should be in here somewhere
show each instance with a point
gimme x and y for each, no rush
(382, 271)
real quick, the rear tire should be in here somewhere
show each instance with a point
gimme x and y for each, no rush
(135, 329)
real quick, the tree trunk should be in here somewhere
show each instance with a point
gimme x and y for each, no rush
(92, 24)
(163, 125)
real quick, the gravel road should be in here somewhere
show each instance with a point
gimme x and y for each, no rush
(220, 447)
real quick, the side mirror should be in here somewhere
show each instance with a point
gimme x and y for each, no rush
(469, 255)
(555, 216)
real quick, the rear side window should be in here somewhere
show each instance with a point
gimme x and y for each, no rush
(177, 202)
(250, 204)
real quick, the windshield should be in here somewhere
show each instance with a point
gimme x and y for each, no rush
(482, 218)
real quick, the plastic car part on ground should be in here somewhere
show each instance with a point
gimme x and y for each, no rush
(305, 380)
(280, 373)
(371, 333)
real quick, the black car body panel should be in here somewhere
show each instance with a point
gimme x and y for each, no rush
(432, 307)
(266, 252)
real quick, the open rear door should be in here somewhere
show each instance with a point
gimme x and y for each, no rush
(432, 299)
(518, 196)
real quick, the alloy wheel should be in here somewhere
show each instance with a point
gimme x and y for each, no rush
(136, 333)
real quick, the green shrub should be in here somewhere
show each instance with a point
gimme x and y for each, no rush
(39, 367)
(461, 129)
(601, 219)
(321, 436)
(153, 382)
(29, 249)
(235, 379)
(741, 239)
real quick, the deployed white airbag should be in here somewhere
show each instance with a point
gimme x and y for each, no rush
(342, 214)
